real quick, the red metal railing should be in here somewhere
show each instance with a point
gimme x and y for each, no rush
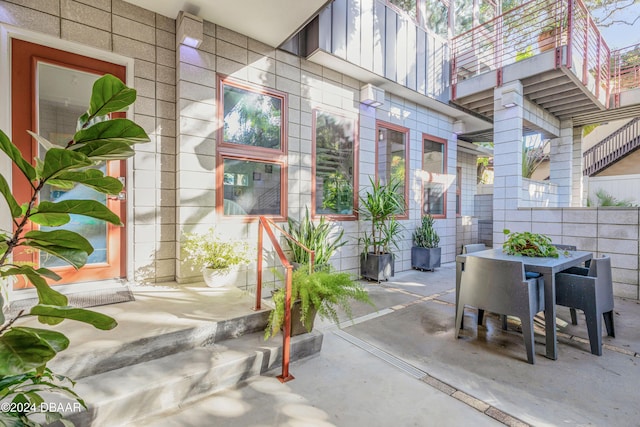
(265, 224)
(530, 29)
(625, 65)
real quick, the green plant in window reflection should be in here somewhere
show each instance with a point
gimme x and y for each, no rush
(397, 168)
(338, 193)
(252, 118)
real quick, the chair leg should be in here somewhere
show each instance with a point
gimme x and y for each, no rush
(594, 328)
(608, 323)
(504, 321)
(527, 334)
(459, 317)
(574, 316)
(480, 316)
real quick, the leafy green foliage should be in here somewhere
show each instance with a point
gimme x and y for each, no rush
(426, 236)
(607, 200)
(210, 250)
(529, 244)
(25, 352)
(315, 237)
(325, 291)
(381, 205)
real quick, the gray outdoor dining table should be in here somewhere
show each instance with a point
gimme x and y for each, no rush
(548, 267)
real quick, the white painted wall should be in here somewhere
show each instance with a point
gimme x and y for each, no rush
(622, 187)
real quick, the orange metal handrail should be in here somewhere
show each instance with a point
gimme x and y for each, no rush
(264, 224)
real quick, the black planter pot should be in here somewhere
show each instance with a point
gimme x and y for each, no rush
(425, 258)
(297, 327)
(376, 267)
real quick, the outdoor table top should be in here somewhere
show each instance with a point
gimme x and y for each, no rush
(548, 267)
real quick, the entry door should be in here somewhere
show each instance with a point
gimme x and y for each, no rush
(50, 89)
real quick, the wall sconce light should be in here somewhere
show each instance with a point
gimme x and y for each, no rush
(459, 127)
(190, 29)
(509, 99)
(371, 95)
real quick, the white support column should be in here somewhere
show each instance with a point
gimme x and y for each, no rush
(577, 179)
(561, 163)
(507, 154)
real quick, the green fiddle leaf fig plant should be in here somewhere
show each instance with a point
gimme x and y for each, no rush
(25, 351)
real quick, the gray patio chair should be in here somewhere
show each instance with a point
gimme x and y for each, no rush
(500, 287)
(590, 290)
(476, 247)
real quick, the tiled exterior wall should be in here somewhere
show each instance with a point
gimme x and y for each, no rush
(611, 231)
(149, 38)
(468, 163)
(307, 86)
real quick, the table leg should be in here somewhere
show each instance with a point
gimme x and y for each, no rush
(459, 267)
(550, 315)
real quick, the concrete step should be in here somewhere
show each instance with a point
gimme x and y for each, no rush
(135, 350)
(122, 396)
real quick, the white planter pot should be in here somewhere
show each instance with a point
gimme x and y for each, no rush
(221, 277)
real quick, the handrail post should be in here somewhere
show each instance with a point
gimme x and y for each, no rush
(259, 267)
(286, 335)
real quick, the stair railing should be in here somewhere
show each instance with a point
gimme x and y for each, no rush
(264, 225)
(615, 146)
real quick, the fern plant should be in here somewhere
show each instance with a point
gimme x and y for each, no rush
(324, 291)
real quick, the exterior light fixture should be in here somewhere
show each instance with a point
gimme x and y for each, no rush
(509, 99)
(459, 127)
(190, 29)
(371, 95)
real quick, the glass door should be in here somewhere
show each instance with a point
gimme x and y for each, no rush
(58, 87)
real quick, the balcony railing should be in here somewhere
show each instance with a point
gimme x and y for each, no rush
(611, 149)
(531, 29)
(625, 66)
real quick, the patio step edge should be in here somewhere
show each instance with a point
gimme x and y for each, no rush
(100, 360)
(148, 389)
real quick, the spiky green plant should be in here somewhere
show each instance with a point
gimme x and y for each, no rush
(315, 237)
(381, 205)
(426, 236)
(323, 290)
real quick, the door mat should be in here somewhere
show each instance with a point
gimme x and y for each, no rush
(78, 299)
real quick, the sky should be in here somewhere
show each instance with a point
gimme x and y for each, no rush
(621, 35)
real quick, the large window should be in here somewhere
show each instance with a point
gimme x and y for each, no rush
(334, 167)
(392, 156)
(434, 196)
(251, 151)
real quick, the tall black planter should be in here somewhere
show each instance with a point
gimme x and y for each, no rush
(425, 258)
(376, 267)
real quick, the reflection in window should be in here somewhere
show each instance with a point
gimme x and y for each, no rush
(433, 165)
(433, 198)
(392, 156)
(251, 178)
(334, 164)
(252, 118)
(464, 16)
(251, 188)
(435, 16)
(407, 6)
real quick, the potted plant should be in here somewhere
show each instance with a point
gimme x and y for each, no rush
(425, 253)
(380, 205)
(318, 292)
(315, 237)
(529, 244)
(217, 257)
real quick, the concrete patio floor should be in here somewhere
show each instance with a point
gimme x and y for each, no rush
(399, 364)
